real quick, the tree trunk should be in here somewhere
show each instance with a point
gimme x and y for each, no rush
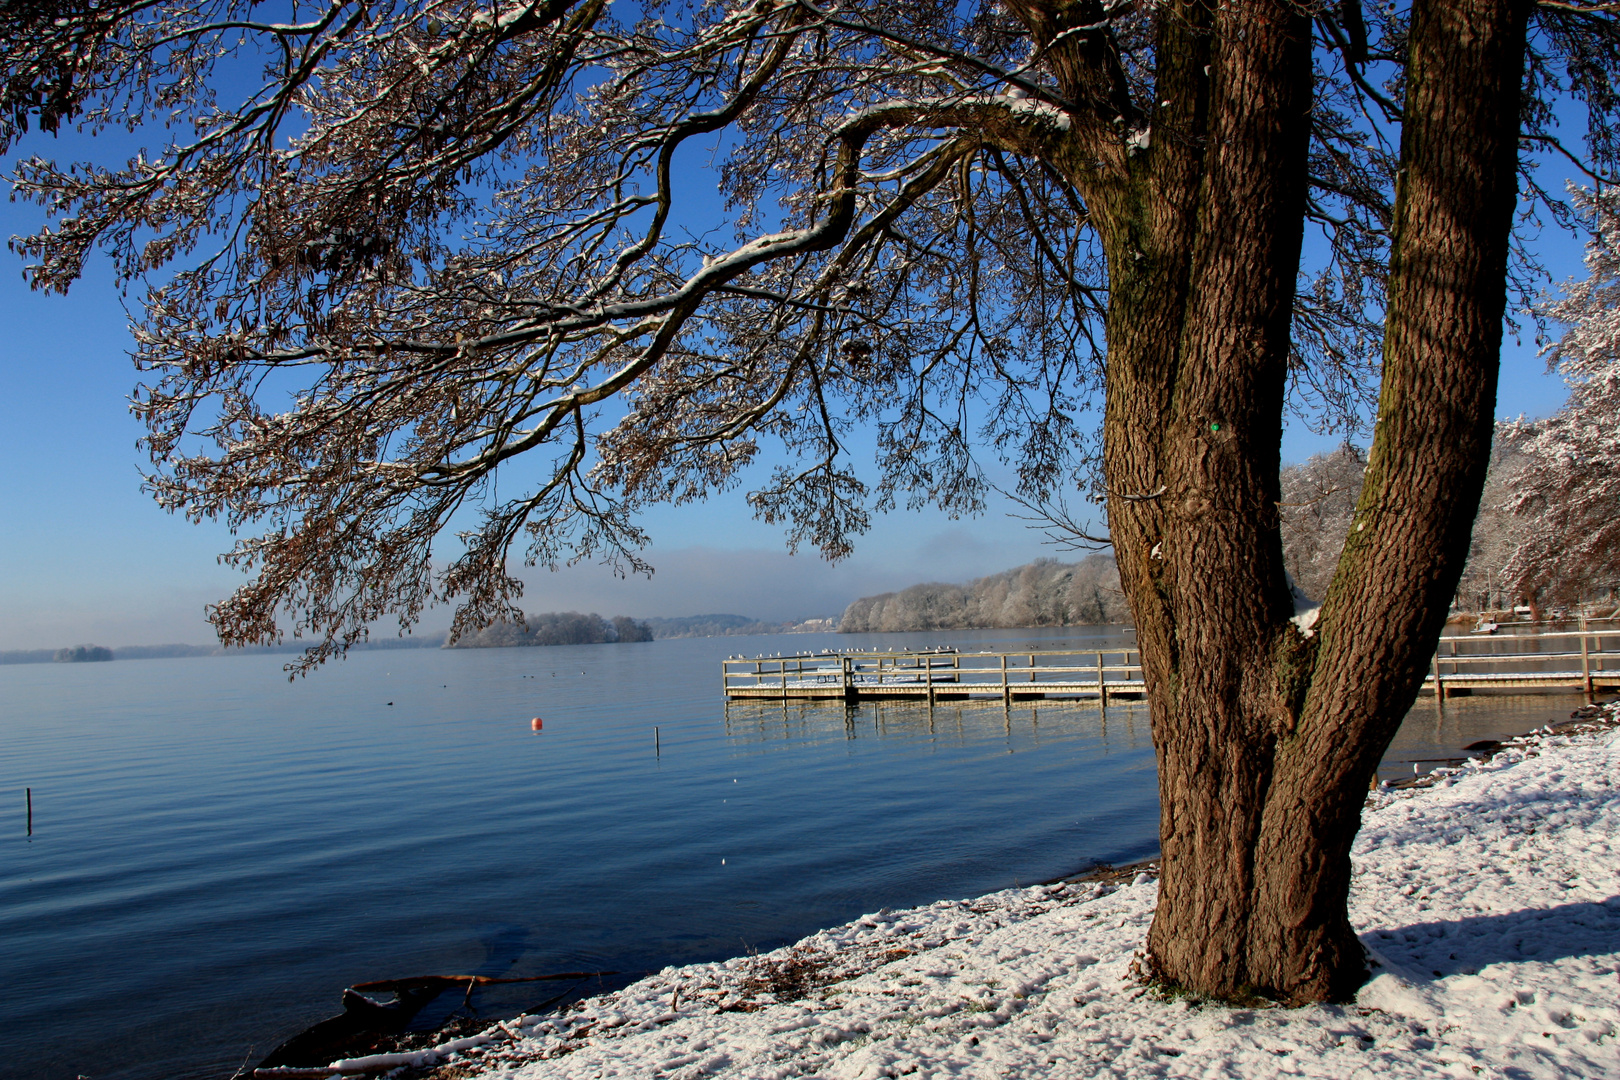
(1266, 739)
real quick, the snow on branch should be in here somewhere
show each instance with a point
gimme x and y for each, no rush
(1568, 492)
(441, 280)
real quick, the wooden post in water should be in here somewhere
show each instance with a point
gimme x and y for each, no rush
(928, 679)
(1006, 690)
(850, 693)
(1439, 687)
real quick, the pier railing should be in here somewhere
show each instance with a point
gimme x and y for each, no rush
(1517, 659)
(937, 674)
(1526, 658)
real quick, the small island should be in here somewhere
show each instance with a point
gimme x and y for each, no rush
(82, 654)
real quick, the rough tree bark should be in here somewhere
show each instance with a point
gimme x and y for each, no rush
(1266, 738)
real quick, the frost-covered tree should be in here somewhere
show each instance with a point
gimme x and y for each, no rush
(393, 246)
(1484, 585)
(1317, 504)
(1567, 492)
(1043, 593)
(555, 628)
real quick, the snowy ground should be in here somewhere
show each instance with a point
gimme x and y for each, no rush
(1490, 902)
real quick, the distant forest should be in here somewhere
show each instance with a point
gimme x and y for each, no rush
(710, 626)
(572, 628)
(556, 628)
(80, 654)
(1043, 593)
(732, 625)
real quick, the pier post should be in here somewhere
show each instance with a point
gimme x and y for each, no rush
(850, 692)
(1597, 661)
(1586, 663)
(1006, 689)
(1439, 687)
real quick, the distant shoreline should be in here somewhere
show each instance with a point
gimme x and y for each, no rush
(661, 632)
(178, 651)
(662, 628)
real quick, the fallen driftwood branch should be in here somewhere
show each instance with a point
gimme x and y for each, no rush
(371, 1063)
(417, 981)
(363, 1023)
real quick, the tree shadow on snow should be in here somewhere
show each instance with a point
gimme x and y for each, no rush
(1464, 946)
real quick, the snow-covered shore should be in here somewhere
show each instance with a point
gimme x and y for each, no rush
(1489, 901)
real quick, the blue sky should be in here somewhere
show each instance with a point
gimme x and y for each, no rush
(86, 557)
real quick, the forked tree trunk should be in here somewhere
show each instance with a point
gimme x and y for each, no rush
(1266, 739)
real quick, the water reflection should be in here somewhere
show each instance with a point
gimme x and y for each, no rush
(194, 876)
(763, 725)
(1434, 733)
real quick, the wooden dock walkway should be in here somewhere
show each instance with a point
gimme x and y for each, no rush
(1519, 658)
(937, 675)
(1585, 660)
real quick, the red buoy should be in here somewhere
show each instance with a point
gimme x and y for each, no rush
(534, 725)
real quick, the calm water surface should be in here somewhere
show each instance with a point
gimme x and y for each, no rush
(217, 852)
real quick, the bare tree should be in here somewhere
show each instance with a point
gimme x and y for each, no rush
(1567, 490)
(434, 238)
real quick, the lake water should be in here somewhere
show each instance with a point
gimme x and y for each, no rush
(217, 852)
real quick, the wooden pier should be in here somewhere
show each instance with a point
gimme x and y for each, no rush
(1522, 658)
(1512, 661)
(938, 675)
